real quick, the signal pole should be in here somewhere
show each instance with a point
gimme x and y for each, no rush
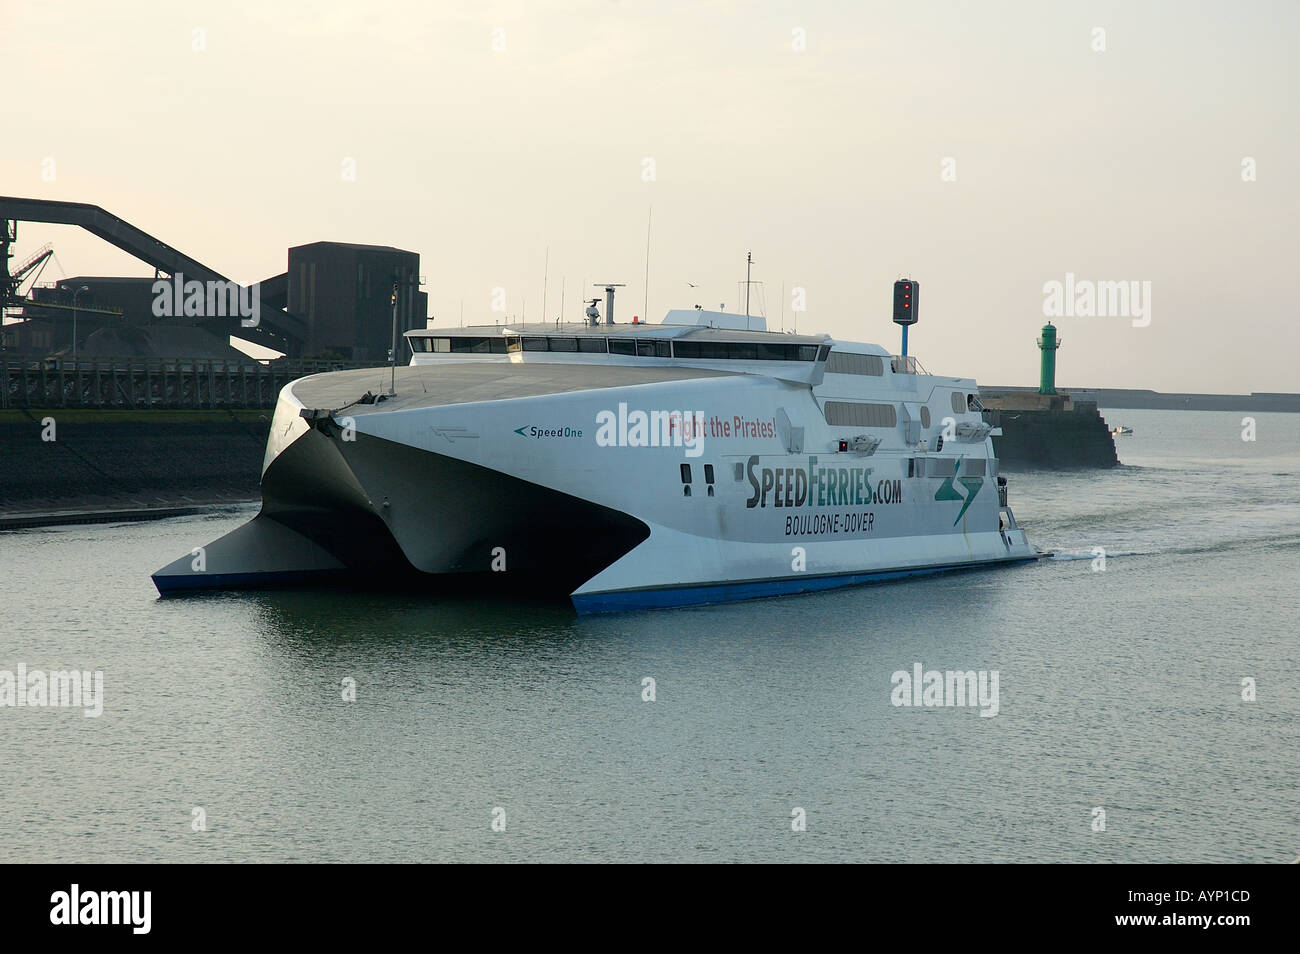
(749, 264)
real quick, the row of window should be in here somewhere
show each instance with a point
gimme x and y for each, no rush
(496, 345)
(843, 362)
(638, 347)
(944, 467)
(746, 350)
(859, 414)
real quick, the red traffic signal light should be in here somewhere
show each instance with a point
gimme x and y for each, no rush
(907, 294)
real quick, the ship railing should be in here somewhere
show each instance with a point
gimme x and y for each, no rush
(906, 364)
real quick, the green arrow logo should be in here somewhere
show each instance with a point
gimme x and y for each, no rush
(947, 491)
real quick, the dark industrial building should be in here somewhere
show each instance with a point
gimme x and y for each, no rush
(344, 294)
(335, 300)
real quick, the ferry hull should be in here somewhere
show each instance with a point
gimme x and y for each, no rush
(520, 497)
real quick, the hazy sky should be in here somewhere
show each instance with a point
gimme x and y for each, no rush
(827, 161)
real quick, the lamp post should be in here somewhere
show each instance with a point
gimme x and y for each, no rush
(392, 354)
(75, 295)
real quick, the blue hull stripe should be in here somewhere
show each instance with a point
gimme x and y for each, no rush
(756, 589)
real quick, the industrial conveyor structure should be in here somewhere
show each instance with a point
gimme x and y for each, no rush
(277, 329)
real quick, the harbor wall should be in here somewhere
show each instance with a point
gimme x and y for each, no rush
(1256, 401)
(81, 459)
(1071, 435)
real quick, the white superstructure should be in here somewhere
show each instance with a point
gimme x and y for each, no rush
(697, 460)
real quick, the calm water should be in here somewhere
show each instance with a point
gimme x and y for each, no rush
(1118, 689)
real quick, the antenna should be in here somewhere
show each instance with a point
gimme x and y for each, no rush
(609, 298)
(645, 307)
(546, 271)
(749, 264)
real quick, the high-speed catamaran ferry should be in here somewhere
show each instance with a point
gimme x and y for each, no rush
(699, 460)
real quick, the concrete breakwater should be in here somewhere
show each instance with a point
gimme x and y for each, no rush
(1049, 432)
(64, 459)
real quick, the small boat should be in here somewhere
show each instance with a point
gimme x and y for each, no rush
(1121, 431)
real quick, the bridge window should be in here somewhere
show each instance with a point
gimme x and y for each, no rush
(925, 415)
(857, 414)
(564, 344)
(958, 402)
(744, 351)
(461, 345)
(592, 345)
(698, 349)
(535, 344)
(622, 346)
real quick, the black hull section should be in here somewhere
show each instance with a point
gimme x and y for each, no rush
(376, 514)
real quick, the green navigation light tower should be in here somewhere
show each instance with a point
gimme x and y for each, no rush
(1048, 344)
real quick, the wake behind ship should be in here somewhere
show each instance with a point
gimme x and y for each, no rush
(699, 460)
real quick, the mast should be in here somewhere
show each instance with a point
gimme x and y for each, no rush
(749, 264)
(645, 306)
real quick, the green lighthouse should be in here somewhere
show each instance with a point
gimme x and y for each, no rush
(1048, 344)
